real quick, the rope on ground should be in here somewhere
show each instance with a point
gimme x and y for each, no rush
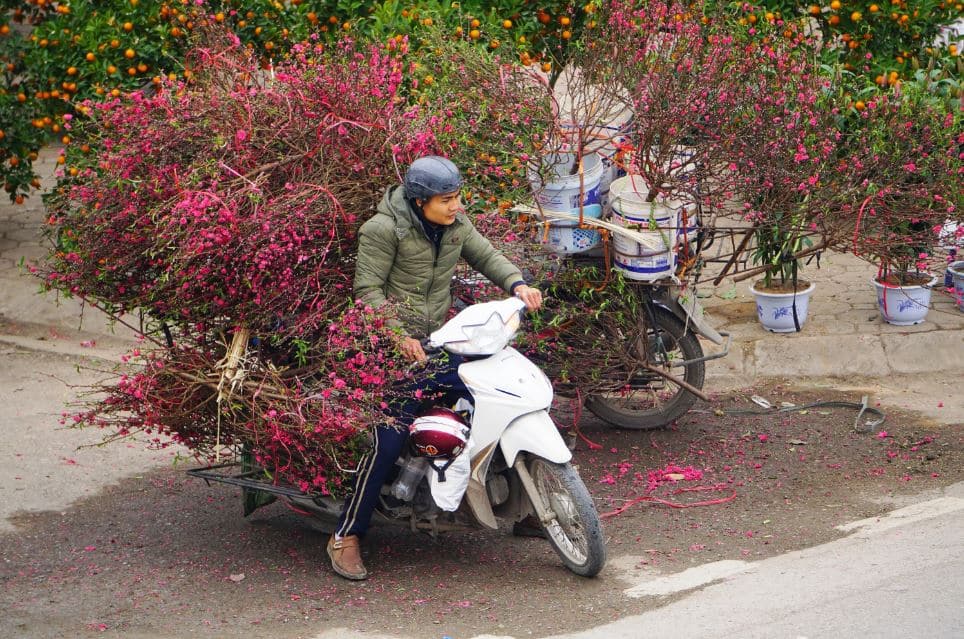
(674, 504)
(861, 407)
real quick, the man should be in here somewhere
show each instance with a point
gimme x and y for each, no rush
(407, 253)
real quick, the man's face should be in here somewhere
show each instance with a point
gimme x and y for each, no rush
(442, 209)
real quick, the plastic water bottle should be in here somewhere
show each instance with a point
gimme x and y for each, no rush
(408, 478)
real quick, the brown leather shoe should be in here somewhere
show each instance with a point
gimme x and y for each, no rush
(346, 557)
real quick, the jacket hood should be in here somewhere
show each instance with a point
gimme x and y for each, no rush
(393, 203)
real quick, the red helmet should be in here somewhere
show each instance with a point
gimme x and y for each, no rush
(439, 433)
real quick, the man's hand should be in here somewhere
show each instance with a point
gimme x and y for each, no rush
(531, 296)
(412, 349)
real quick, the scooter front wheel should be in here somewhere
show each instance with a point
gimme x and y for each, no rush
(574, 531)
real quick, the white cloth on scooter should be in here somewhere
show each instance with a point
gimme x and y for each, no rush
(448, 494)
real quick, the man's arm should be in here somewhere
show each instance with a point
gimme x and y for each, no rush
(482, 256)
(377, 244)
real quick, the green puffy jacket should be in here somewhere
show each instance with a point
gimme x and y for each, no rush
(397, 260)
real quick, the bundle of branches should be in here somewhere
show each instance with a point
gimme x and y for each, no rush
(585, 337)
(226, 211)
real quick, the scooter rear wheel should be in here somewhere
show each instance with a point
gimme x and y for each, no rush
(575, 532)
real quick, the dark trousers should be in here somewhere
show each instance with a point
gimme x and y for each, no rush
(438, 377)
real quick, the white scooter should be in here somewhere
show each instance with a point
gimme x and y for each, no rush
(518, 462)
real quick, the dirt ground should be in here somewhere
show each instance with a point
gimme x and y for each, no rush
(163, 555)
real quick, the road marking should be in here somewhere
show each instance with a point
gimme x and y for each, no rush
(907, 515)
(689, 579)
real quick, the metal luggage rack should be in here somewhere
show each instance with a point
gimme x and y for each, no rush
(245, 479)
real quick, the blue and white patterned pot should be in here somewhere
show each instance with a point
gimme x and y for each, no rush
(903, 305)
(957, 278)
(775, 310)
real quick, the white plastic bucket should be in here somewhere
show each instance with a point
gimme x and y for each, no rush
(611, 171)
(681, 161)
(646, 267)
(652, 258)
(627, 197)
(561, 190)
(566, 238)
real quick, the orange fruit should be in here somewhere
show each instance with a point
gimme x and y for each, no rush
(507, 24)
(128, 26)
(474, 34)
(90, 57)
(859, 105)
(71, 70)
(129, 53)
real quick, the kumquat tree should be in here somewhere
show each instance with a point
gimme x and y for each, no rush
(58, 54)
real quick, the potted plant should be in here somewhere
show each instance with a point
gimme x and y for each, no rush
(902, 170)
(783, 146)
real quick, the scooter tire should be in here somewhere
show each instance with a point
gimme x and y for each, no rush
(576, 532)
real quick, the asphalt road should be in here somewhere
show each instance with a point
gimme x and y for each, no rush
(901, 575)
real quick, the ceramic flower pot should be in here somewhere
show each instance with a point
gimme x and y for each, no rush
(956, 270)
(904, 305)
(775, 310)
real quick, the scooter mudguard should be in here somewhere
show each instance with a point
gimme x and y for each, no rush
(535, 433)
(685, 306)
